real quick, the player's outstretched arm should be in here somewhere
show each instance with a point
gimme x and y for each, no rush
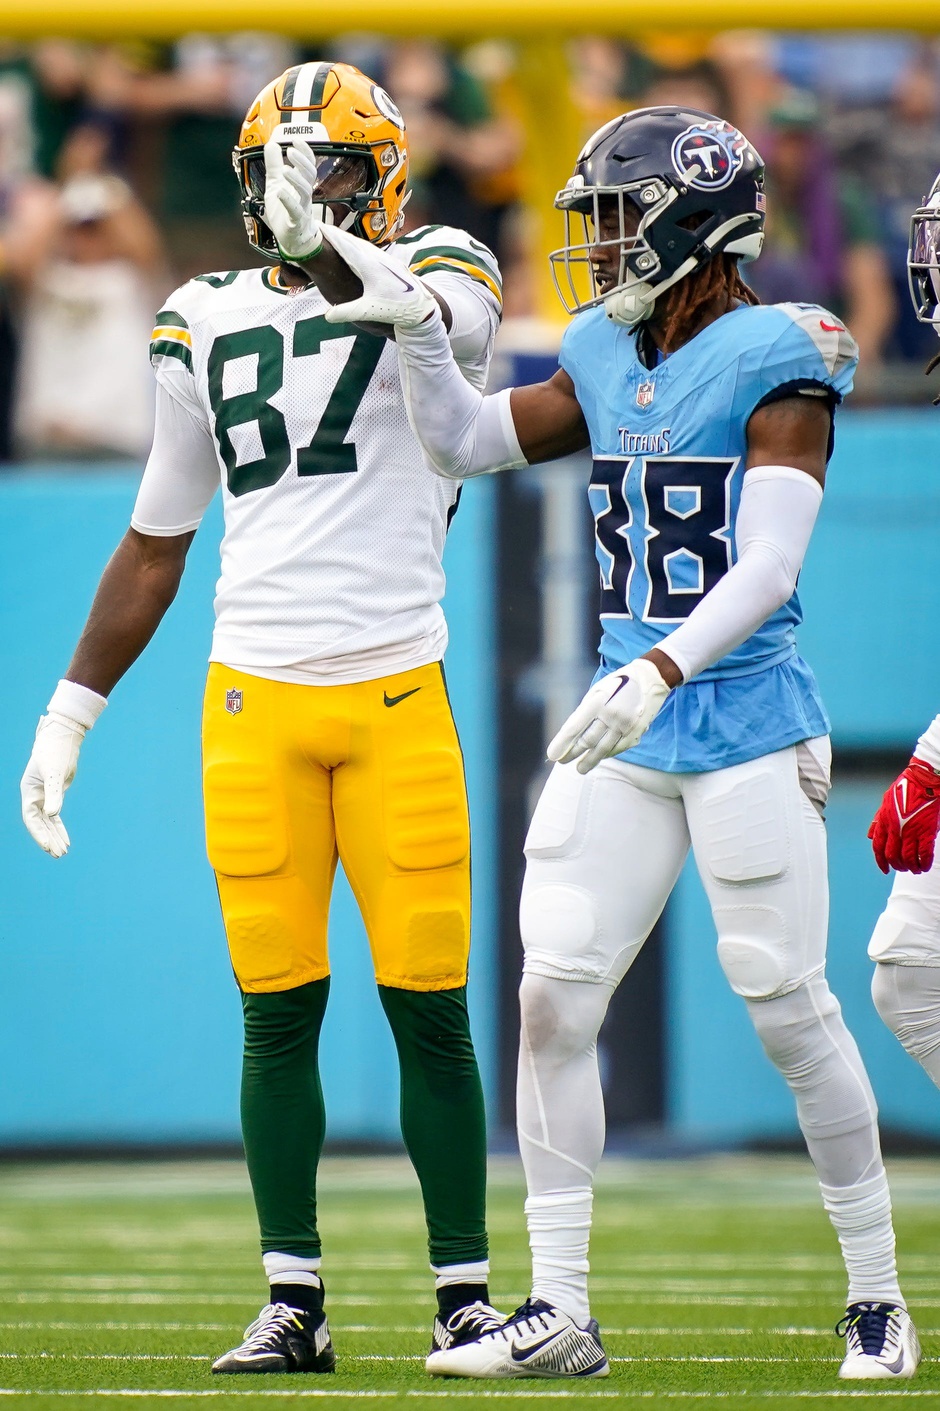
(136, 588)
(462, 432)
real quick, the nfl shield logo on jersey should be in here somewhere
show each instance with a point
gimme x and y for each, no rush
(233, 702)
(644, 394)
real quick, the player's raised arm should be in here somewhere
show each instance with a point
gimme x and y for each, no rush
(461, 432)
(136, 588)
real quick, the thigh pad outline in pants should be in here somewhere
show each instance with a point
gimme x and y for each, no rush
(602, 855)
(269, 832)
(908, 930)
(403, 830)
(760, 848)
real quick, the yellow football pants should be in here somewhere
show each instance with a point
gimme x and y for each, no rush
(296, 776)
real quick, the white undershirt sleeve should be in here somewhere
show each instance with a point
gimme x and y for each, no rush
(474, 317)
(778, 510)
(182, 471)
(928, 746)
(461, 432)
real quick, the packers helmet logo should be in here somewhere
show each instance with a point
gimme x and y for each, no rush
(708, 154)
(386, 107)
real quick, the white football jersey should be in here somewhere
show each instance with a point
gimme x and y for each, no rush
(334, 525)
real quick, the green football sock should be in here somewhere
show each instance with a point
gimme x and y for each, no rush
(283, 1117)
(442, 1117)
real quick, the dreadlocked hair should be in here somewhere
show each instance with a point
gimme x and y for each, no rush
(697, 291)
(934, 362)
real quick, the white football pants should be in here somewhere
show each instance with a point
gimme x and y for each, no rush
(603, 853)
(906, 946)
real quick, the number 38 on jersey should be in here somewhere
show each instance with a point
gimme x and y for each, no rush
(663, 532)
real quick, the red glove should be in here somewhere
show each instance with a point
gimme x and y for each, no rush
(904, 829)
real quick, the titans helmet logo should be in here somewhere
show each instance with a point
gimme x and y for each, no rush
(708, 154)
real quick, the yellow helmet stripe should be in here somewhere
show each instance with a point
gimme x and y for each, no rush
(445, 263)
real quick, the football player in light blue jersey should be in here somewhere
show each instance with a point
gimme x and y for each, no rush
(710, 422)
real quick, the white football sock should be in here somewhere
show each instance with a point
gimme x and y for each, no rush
(447, 1274)
(804, 1035)
(559, 1233)
(291, 1269)
(861, 1216)
(560, 1115)
(908, 999)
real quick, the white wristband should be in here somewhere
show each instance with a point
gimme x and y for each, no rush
(928, 746)
(76, 703)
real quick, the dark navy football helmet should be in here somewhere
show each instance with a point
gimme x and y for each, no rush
(697, 186)
(923, 259)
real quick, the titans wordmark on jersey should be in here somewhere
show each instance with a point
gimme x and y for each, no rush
(670, 449)
(334, 527)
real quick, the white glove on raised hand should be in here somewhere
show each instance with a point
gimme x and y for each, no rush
(390, 292)
(614, 715)
(293, 217)
(72, 711)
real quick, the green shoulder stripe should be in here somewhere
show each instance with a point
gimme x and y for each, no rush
(440, 261)
(457, 252)
(169, 318)
(164, 348)
(417, 234)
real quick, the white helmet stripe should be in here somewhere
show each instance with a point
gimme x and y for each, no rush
(309, 84)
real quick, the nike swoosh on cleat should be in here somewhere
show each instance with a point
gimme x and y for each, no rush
(393, 700)
(521, 1351)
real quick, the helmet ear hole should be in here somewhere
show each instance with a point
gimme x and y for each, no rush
(695, 222)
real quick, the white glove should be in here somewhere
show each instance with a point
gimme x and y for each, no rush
(390, 292)
(72, 711)
(613, 716)
(293, 217)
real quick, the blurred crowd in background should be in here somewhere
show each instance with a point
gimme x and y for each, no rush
(116, 185)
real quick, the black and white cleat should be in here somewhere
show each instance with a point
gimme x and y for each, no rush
(880, 1342)
(282, 1339)
(535, 1341)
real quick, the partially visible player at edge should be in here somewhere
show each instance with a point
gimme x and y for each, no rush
(327, 730)
(906, 940)
(710, 421)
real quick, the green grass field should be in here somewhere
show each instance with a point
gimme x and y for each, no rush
(714, 1280)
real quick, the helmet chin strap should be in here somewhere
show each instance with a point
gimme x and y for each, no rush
(633, 303)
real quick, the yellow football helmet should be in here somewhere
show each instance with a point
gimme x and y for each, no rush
(355, 131)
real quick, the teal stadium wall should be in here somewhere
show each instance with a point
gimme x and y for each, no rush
(121, 1020)
(120, 1017)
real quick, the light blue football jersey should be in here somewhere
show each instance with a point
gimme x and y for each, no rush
(670, 450)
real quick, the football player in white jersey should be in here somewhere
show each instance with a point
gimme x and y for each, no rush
(327, 731)
(905, 943)
(710, 422)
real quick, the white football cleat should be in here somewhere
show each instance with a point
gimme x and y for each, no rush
(880, 1342)
(535, 1341)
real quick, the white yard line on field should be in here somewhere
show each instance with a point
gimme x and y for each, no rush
(235, 1300)
(539, 1393)
(755, 1332)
